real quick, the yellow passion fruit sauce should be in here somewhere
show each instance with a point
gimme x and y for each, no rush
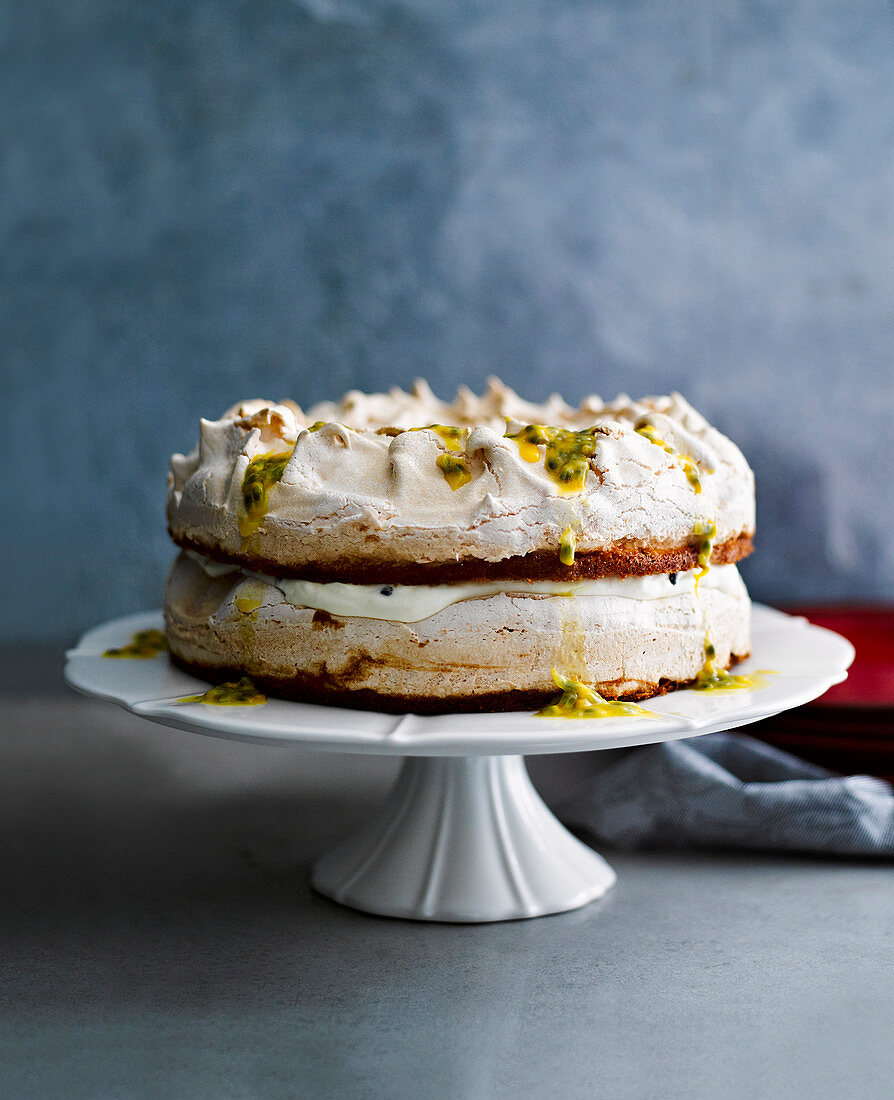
(455, 470)
(566, 454)
(707, 532)
(567, 545)
(579, 701)
(717, 679)
(143, 644)
(242, 693)
(262, 474)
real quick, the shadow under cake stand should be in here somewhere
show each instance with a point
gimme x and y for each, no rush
(463, 834)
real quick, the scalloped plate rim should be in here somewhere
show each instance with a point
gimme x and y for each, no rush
(288, 722)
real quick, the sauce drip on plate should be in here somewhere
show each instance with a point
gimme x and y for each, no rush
(143, 645)
(718, 679)
(579, 701)
(241, 693)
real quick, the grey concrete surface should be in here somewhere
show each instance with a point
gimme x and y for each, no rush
(218, 199)
(159, 939)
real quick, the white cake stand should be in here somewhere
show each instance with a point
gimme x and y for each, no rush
(463, 835)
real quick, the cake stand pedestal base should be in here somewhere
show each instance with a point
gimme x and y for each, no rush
(463, 838)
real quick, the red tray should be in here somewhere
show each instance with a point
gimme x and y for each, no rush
(851, 728)
(870, 682)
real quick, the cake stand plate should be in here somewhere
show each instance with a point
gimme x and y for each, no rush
(463, 835)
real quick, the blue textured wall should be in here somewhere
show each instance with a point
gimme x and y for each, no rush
(209, 200)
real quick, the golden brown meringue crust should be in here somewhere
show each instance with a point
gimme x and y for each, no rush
(539, 565)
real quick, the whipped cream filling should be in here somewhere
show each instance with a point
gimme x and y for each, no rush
(411, 603)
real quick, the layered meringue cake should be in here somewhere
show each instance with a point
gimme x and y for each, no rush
(396, 552)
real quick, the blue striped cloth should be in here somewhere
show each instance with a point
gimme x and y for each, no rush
(727, 790)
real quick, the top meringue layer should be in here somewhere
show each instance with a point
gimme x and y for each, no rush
(654, 473)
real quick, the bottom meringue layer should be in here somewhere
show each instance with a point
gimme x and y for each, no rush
(493, 652)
